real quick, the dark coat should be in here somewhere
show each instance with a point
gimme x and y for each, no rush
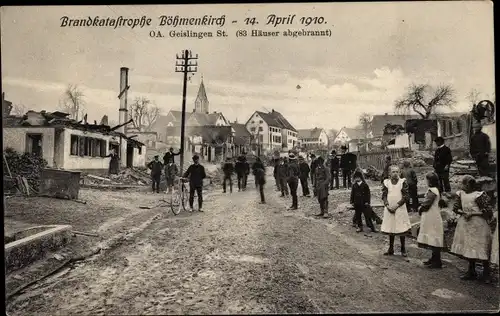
(283, 171)
(156, 168)
(334, 163)
(321, 182)
(360, 194)
(257, 165)
(260, 175)
(241, 168)
(348, 161)
(293, 171)
(410, 175)
(479, 144)
(169, 157)
(196, 174)
(228, 168)
(314, 165)
(304, 170)
(442, 158)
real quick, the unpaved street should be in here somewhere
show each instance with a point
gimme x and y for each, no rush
(243, 257)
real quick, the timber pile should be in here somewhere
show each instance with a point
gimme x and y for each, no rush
(126, 176)
(22, 170)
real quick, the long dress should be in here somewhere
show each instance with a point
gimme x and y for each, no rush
(472, 237)
(399, 222)
(431, 225)
(494, 246)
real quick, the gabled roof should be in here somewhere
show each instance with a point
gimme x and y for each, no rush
(240, 130)
(352, 133)
(276, 119)
(309, 133)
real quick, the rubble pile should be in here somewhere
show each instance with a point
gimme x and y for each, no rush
(425, 156)
(24, 165)
(372, 173)
(127, 176)
(415, 162)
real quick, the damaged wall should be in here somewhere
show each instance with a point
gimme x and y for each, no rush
(16, 138)
(74, 162)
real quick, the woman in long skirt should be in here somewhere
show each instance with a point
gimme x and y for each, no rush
(396, 221)
(431, 234)
(472, 237)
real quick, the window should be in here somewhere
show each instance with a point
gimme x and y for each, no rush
(87, 146)
(34, 144)
(450, 128)
(140, 150)
(252, 129)
(261, 129)
(261, 121)
(459, 126)
(253, 122)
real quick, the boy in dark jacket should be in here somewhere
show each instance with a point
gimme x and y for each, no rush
(241, 168)
(259, 171)
(411, 178)
(282, 176)
(304, 176)
(360, 199)
(156, 167)
(442, 161)
(196, 174)
(293, 180)
(228, 170)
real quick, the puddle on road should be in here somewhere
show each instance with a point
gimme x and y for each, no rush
(447, 294)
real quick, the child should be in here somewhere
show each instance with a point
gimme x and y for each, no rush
(473, 234)
(411, 178)
(321, 182)
(171, 172)
(360, 199)
(228, 170)
(431, 234)
(396, 220)
(259, 172)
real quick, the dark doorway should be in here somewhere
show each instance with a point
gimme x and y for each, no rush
(34, 144)
(209, 154)
(130, 156)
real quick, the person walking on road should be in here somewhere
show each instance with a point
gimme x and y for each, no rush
(396, 221)
(348, 165)
(196, 174)
(304, 176)
(442, 162)
(171, 171)
(156, 167)
(259, 172)
(472, 238)
(241, 168)
(431, 233)
(360, 200)
(228, 170)
(334, 165)
(321, 182)
(480, 147)
(282, 176)
(293, 180)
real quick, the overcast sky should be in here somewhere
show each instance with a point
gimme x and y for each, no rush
(375, 51)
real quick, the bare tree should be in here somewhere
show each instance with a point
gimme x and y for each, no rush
(18, 109)
(425, 100)
(72, 102)
(144, 113)
(365, 121)
(474, 96)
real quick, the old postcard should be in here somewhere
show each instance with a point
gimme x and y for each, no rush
(249, 158)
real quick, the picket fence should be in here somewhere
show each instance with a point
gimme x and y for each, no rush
(376, 158)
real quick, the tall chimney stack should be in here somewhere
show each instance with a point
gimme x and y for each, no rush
(123, 112)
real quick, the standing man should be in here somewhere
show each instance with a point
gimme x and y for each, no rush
(480, 148)
(228, 170)
(293, 180)
(239, 168)
(277, 162)
(259, 172)
(282, 175)
(156, 167)
(246, 166)
(334, 165)
(304, 176)
(347, 164)
(314, 164)
(442, 162)
(321, 182)
(169, 156)
(196, 174)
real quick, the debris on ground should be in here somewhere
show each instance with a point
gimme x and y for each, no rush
(372, 173)
(125, 176)
(22, 170)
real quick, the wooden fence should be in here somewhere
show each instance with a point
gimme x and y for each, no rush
(376, 158)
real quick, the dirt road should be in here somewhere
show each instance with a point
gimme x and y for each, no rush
(243, 257)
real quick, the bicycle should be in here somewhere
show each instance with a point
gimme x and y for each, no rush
(179, 197)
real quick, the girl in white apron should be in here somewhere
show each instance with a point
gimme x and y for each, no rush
(431, 234)
(472, 239)
(396, 220)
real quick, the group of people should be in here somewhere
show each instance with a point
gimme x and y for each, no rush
(242, 169)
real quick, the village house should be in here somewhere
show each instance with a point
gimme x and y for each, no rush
(312, 138)
(241, 139)
(271, 131)
(351, 137)
(70, 145)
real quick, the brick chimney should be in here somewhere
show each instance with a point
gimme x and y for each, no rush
(123, 111)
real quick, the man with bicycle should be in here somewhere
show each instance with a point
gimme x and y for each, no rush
(195, 173)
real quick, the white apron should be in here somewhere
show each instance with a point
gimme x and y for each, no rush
(473, 237)
(399, 222)
(494, 246)
(431, 224)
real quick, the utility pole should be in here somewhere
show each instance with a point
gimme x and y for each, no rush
(183, 64)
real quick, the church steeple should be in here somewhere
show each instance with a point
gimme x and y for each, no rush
(201, 104)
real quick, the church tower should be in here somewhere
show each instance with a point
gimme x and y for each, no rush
(201, 104)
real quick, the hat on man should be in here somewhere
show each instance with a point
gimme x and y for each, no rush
(291, 156)
(343, 147)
